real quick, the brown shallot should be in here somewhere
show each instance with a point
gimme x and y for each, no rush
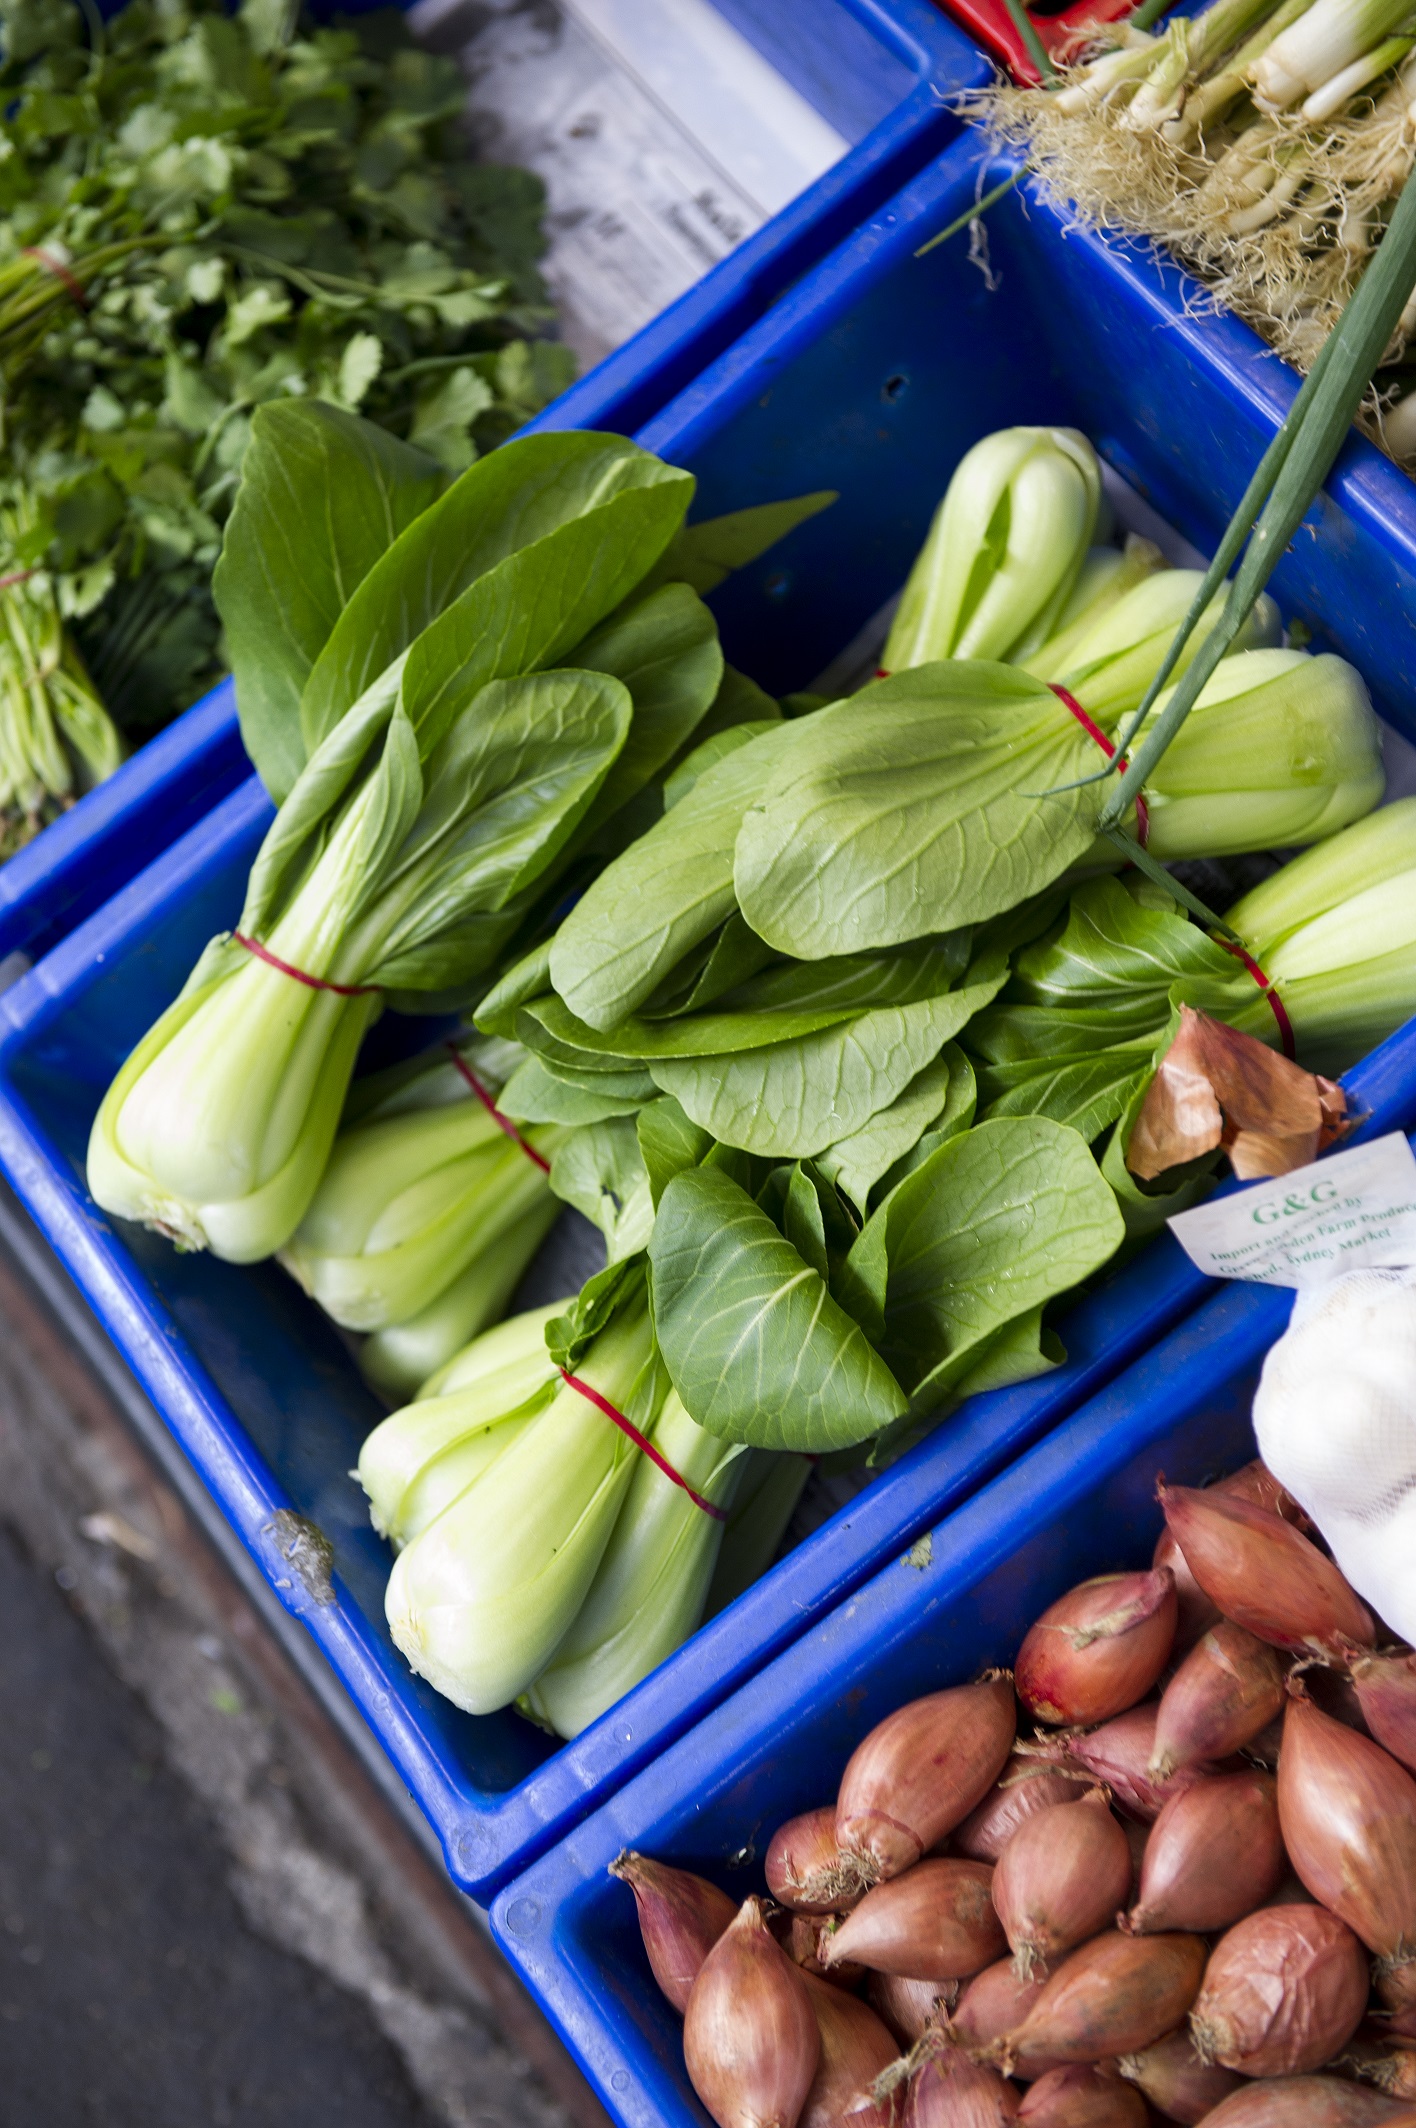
(855, 2048)
(1175, 2080)
(920, 1772)
(1348, 1814)
(1379, 2059)
(996, 2001)
(948, 2090)
(804, 1867)
(1226, 1691)
(1308, 2102)
(1026, 1785)
(1060, 1879)
(681, 1917)
(1113, 1996)
(937, 1922)
(1283, 1991)
(1197, 1613)
(1099, 1648)
(1214, 1854)
(1119, 1754)
(751, 2041)
(1386, 1692)
(800, 1937)
(1082, 2096)
(909, 2007)
(1264, 1574)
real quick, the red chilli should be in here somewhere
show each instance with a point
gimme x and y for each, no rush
(1094, 731)
(503, 1123)
(298, 975)
(662, 1463)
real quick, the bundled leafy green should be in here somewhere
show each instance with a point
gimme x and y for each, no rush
(425, 1219)
(203, 212)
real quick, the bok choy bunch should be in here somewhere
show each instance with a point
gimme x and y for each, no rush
(454, 702)
(426, 1218)
(482, 1597)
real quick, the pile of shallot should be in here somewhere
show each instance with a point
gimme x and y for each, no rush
(1166, 1868)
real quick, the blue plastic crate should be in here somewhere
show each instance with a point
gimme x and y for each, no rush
(873, 376)
(1081, 1503)
(885, 73)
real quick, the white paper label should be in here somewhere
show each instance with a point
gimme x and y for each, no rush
(1349, 1212)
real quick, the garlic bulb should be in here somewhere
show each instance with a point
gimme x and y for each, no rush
(1335, 1417)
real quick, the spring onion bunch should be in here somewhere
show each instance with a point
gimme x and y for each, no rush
(1264, 141)
(427, 1216)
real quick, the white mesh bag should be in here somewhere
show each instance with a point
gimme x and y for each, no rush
(1335, 1417)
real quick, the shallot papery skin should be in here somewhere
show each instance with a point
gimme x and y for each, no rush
(937, 1922)
(1113, 1996)
(751, 2041)
(805, 1868)
(1308, 2102)
(1175, 2080)
(1119, 1754)
(1348, 1815)
(681, 1917)
(1026, 1785)
(1214, 1854)
(1099, 1648)
(996, 2001)
(1264, 1574)
(1226, 1691)
(950, 2091)
(1386, 1692)
(909, 2007)
(1060, 1879)
(920, 1772)
(1197, 1613)
(1283, 1991)
(1082, 2096)
(855, 2047)
(1379, 2059)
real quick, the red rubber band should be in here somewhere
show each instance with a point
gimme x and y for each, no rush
(1094, 731)
(298, 975)
(59, 271)
(1280, 1011)
(662, 1463)
(17, 576)
(502, 1122)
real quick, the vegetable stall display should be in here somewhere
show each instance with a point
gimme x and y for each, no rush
(203, 211)
(846, 1027)
(1078, 1892)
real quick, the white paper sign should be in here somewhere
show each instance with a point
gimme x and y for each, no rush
(1348, 1212)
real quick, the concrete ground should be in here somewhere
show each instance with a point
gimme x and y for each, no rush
(208, 1912)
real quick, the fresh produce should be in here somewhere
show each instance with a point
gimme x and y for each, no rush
(205, 212)
(751, 2038)
(426, 1217)
(1226, 1691)
(1099, 1649)
(1263, 1573)
(439, 765)
(919, 1773)
(1264, 144)
(681, 1917)
(1218, 1996)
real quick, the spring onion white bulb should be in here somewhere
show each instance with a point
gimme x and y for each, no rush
(1322, 43)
